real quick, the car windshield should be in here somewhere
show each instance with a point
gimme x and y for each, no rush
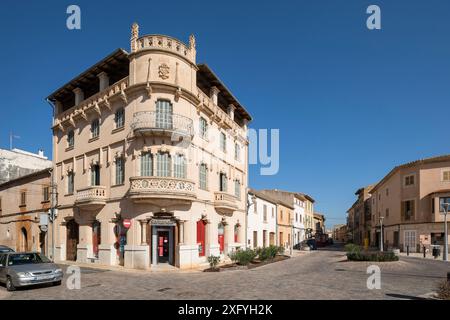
(26, 258)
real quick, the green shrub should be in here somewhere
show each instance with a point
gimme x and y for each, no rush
(280, 249)
(372, 256)
(352, 248)
(244, 257)
(232, 256)
(213, 261)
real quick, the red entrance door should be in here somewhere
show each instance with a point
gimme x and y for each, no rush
(163, 246)
(201, 238)
(221, 237)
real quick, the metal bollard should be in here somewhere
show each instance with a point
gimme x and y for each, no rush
(407, 250)
(424, 252)
(448, 277)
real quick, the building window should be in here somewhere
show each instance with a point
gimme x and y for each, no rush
(265, 213)
(23, 198)
(119, 118)
(203, 128)
(281, 214)
(95, 175)
(387, 192)
(432, 205)
(409, 180)
(146, 164)
(120, 170)
(446, 176)
(70, 181)
(387, 213)
(46, 194)
(237, 152)
(179, 166)
(223, 142)
(203, 176)
(95, 128)
(441, 203)
(223, 182)
(408, 210)
(163, 164)
(164, 114)
(70, 139)
(237, 189)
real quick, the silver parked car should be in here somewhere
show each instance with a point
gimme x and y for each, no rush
(18, 269)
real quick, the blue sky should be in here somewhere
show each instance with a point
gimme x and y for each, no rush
(350, 103)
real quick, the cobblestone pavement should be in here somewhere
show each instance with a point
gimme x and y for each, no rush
(323, 274)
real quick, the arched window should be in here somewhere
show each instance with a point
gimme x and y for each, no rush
(163, 164)
(146, 164)
(179, 166)
(164, 113)
(203, 176)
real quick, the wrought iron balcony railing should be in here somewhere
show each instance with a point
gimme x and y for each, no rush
(155, 122)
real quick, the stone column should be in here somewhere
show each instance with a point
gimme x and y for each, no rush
(104, 80)
(79, 95)
(143, 232)
(154, 156)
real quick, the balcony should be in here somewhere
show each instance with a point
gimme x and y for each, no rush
(149, 123)
(225, 203)
(91, 198)
(162, 191)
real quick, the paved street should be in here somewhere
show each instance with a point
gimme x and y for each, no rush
(322, 274)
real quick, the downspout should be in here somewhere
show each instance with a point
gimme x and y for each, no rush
(53, 185)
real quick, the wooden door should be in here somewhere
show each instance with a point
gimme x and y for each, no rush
(72, 240)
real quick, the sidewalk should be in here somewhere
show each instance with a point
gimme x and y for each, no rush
(420, 256)
(153, 269)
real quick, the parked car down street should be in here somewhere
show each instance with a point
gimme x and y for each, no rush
(27, 268)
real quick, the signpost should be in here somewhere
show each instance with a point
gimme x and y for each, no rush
(127, 223)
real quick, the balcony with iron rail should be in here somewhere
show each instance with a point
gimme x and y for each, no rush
(149, 123)
(91, 198)
(225, 203)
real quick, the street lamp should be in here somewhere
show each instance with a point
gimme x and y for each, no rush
(445, 205)
(381, 234)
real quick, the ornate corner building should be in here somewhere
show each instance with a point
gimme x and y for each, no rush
(150, 159)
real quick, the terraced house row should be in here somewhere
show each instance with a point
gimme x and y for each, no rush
(407, 202)
(150, 167)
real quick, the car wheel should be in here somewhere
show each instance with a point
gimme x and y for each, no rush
(57, 283)
(9, 284)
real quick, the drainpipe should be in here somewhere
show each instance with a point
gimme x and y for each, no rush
(53, 186)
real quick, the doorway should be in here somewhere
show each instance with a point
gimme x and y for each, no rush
(163, 246)
(201, 237)
(72, 240)
(23, 240)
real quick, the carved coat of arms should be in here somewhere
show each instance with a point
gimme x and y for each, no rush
(164, 71)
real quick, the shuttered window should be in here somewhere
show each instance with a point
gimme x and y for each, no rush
(203, 176)
(163, 164)
(120, 171)
(164, 112)
(146, 164)
(179, 166)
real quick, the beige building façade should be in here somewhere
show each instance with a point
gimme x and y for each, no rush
(408, 201)
(150, 159)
